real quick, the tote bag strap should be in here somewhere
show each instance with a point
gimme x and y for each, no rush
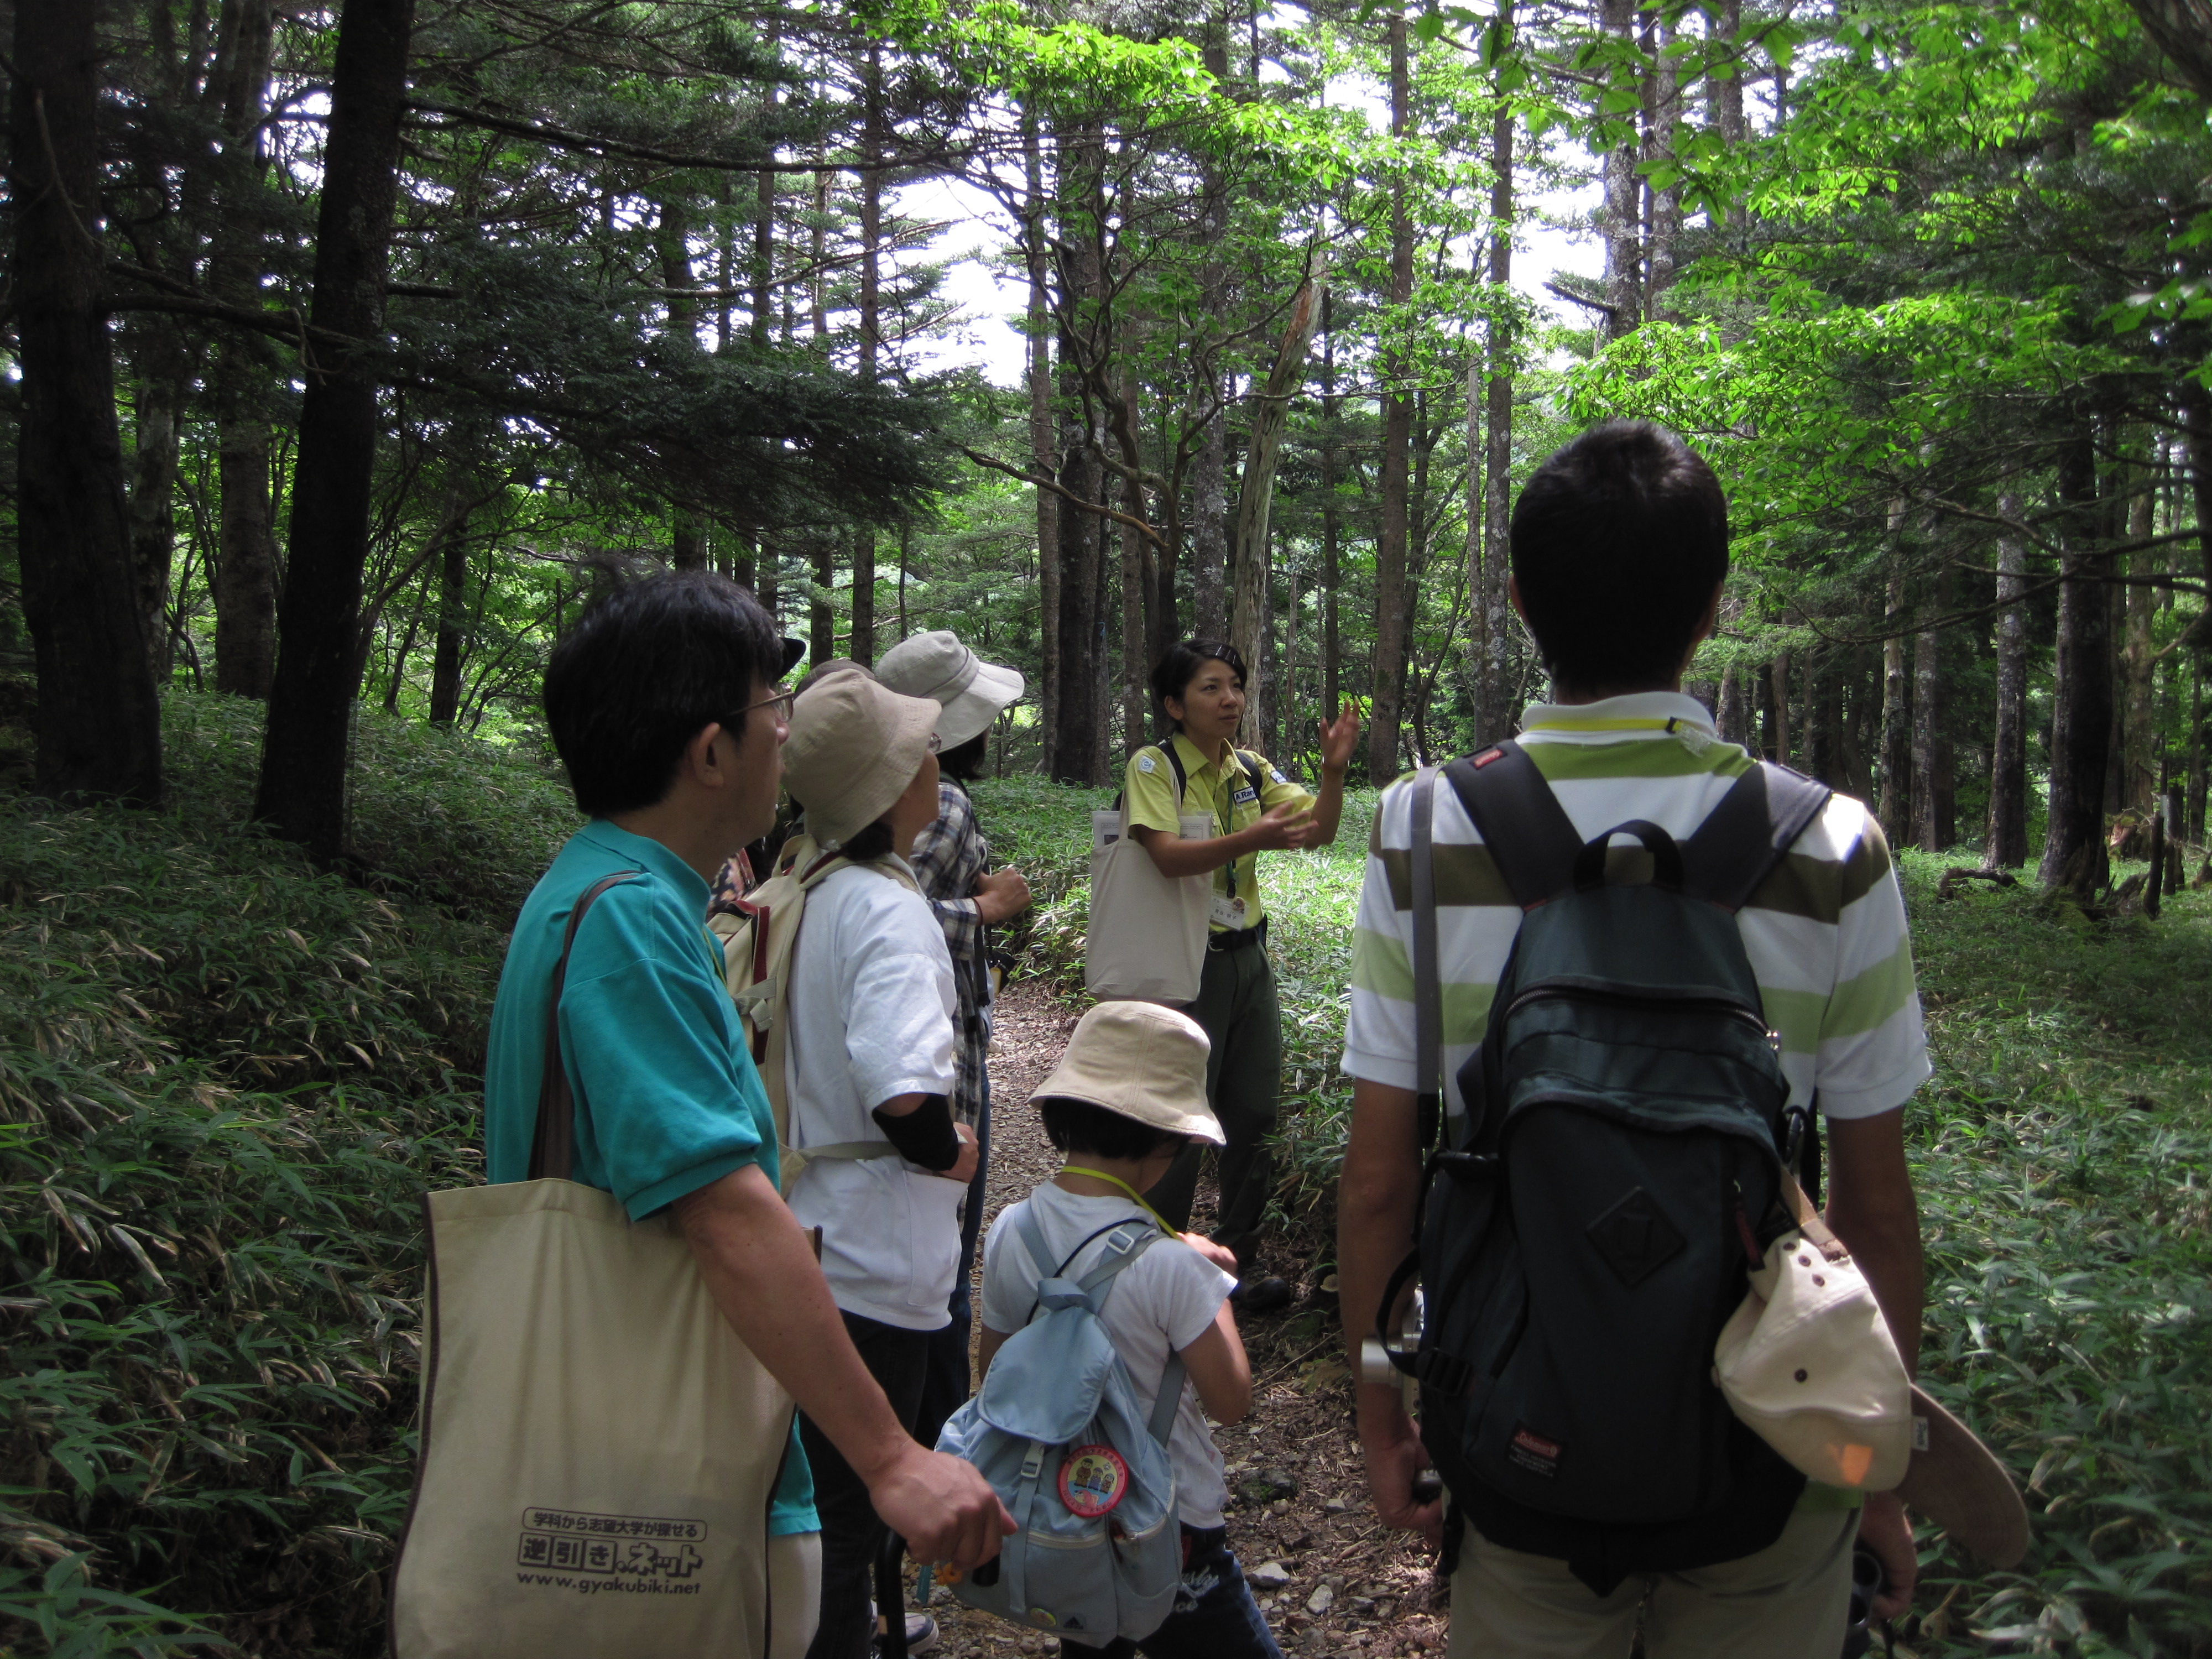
(553, 1145)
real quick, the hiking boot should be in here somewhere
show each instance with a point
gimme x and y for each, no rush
(1263, 1295)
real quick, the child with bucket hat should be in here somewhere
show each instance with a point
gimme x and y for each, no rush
(1127, 1097)
(868, 1074)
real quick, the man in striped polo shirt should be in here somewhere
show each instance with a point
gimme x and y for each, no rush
(1619, 546)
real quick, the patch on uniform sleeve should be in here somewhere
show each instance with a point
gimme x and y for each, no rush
(1276, 773)
(1144, 764)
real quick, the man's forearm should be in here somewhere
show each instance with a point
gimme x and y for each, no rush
(760, 1269)
(1871, 1208)
(1376, 1201)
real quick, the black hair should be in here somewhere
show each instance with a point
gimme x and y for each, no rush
(1078, 1128)
(966, 761)
(1619, 541)
(1179, 666)
(871, 842)
(643, 672)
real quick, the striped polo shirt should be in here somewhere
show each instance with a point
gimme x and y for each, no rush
(1824, 933)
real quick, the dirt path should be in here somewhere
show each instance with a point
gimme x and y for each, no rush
(1330, 1580)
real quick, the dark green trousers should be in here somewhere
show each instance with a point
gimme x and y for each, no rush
(1243, 1077)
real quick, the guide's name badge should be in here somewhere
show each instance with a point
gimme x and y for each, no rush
(1228, 911)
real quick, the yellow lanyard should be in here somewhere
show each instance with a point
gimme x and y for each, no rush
(1117, 1180)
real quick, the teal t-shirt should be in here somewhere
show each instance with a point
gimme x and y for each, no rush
(668, 1099)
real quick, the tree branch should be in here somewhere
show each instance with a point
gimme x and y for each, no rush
(1064, 493)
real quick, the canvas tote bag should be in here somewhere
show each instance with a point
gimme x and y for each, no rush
(599, 1448)
(1147, 934)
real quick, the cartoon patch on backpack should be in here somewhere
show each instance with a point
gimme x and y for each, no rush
(1093, 1480)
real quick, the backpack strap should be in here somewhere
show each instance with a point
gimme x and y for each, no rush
(553, 1143)
(1428, 992)
(1129, 1239)
(1750, 832)
(1527, 833)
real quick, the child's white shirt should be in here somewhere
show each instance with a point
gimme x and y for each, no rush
(1161, 1303)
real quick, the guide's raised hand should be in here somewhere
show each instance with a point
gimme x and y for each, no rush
(1337, 737)
(1281, 829)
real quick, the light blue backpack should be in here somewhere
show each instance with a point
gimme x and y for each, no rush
(1097, 1552)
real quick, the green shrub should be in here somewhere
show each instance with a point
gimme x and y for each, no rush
(226, 1080)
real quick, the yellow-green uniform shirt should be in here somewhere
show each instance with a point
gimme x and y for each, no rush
(1225, 793)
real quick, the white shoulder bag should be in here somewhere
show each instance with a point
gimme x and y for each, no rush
(1147, 941)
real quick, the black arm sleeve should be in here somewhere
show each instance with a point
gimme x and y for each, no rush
(925, 1135)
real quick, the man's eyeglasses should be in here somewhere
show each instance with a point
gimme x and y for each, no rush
(780, 701)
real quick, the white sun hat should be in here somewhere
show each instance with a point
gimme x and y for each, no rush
(1139, 1060)
(937, 666)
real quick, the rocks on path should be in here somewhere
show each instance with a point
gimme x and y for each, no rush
(1329, 1578)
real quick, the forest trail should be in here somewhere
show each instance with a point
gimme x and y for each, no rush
(1297, 1501)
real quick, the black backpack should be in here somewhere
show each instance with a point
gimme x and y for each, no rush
(1619, 1170)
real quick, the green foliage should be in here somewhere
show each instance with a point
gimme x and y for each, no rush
(436, 815)
(225, 1082)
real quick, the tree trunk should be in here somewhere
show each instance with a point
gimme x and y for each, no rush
(1209, 526)
(1209, 531)
(1733, 717)
(1777, 682)
(2008, 831)
(2194, 802)
(1041, 445)
(2081, 692)
(820, 620)
(1388, 689)
(763, 260)
(244, 583)
(1819, 745)
(1332, 681)
(862, 647)
(1931, 805)
(308, 749)
(1495, 711)
(243, 573)
(152, 508)
(1896, 713)
(1662, 108)
(2140, 747)
(99, 724)
(1101, 659)
(1621, 212)
(452, 626)
(1271, 410)
(1075, 754)
(687, 546)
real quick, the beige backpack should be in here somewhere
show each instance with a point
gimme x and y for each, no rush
(758, 939)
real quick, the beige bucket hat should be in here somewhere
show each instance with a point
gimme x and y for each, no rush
(1807, 1362)
(854, 747)
(936, 664)
(1140, 1061)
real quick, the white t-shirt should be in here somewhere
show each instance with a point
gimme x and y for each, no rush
(872, 1004)
(1160, 1303)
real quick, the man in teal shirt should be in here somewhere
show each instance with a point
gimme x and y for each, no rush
(660, 706)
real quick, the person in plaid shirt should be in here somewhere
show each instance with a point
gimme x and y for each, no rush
(952, 862)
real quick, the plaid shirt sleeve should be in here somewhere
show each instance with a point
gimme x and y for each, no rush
(947, 857)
